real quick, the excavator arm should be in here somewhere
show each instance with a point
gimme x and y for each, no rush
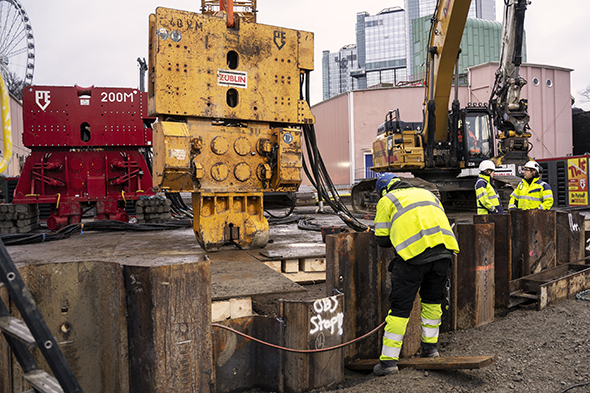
(510, 111)
(443, 48)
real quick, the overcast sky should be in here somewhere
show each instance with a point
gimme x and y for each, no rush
(97, 42)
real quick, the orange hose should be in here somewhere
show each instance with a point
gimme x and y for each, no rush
(297, 350)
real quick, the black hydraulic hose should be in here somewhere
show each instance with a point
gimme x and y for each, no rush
(102, 225)
(323, 183)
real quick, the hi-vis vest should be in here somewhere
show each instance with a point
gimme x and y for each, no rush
(537, 195)
(487, 197)
(415, 220)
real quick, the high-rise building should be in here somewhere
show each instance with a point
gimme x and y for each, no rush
(388, 47)
(336, 69)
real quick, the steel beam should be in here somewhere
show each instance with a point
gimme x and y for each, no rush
(502, 254)
(83, 305)
(169, 322)
(313, 325)
(534, 231)
(357, 268)
(473, 276)
(244, 364)
(570, 237)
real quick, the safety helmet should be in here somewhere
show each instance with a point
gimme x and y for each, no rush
(485, 165)
(534, 165)
(383, 182)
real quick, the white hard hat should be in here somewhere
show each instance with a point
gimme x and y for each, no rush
(534, 165)
(485, 165)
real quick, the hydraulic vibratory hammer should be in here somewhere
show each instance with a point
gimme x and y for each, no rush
(228, 96)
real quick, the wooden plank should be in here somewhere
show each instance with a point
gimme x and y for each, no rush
(290, 265)
(220, 311)
(274, 265)
(312, 264)
(240, 307)
(306, 278)
(169, 307)
(442, 363)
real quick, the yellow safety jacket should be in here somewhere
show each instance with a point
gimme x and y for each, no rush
(537, 195)
(415, 220)
(486, 194)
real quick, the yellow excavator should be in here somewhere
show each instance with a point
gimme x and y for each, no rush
(450, 141)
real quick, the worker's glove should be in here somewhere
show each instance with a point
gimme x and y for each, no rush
(499, 210)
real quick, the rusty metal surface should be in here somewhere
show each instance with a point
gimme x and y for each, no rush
(352, 268)
(170, 346)
(532, 231)
(244, 364)
(83, 304)
(323, 319)
(570, 237)
(474, 276)
(502, 254)
(356, 267)
(551, 285)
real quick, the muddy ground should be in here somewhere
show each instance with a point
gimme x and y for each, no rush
(536, 351)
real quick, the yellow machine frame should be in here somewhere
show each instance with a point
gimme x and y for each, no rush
(228, 102)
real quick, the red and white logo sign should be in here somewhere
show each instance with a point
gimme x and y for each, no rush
(232, 78)
(42, 99)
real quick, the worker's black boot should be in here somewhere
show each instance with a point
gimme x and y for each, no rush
(429, 351)
(385, 367)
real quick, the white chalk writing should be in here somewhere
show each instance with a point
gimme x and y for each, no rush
(325, 318)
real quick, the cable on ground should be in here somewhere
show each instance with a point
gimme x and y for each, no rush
(575, 386)
(102, 225)
(296, 350)
(580, 296)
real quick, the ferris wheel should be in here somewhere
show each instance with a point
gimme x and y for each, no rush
(17, 48)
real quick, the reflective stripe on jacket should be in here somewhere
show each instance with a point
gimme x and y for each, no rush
(486, 195)
(415, 220)
(537, 195)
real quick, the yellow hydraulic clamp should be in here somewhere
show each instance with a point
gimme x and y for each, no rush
(227, 96)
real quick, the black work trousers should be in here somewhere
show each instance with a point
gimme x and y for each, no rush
(407, 280)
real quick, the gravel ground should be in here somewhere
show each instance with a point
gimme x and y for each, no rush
(536, 351)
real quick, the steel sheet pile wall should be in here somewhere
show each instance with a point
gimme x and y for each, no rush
(170, 328)
(502, 254)
(83, 304)
(473, 276)
(323, 320)
(357, 268)
(241, 363)
(534, 240)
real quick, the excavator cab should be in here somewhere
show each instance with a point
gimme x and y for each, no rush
(475, 133)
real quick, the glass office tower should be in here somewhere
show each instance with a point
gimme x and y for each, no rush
(386, 48)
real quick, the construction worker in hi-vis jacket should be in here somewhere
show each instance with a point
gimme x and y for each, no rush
(532, 192)
(488, 200)
(413, 221)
